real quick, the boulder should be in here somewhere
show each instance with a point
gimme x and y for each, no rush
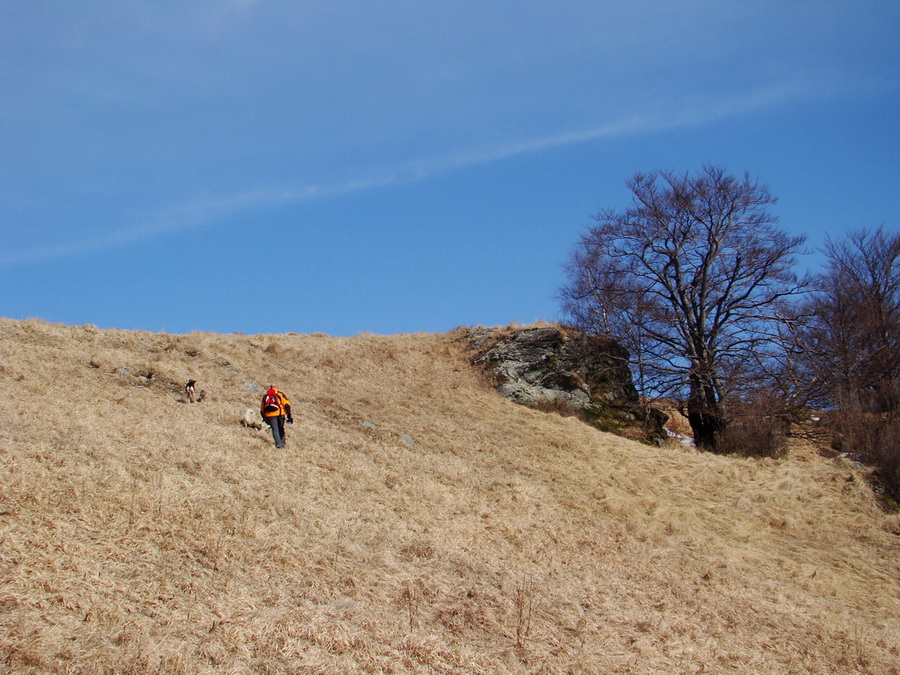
(567, 370)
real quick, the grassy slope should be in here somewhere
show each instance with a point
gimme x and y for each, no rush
(139, 533)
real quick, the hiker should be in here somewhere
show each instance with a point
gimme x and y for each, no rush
(276, 410)
(189, 390)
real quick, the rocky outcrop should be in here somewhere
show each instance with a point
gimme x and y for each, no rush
(564, 369)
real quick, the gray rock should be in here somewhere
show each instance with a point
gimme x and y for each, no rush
(566, 369)
(252, 388)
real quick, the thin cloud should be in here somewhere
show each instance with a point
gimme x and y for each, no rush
(203, 212)
(698, 114)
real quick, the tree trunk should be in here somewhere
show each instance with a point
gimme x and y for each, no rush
(704, 414)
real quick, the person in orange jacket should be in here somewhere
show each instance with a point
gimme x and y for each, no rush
(275, 409)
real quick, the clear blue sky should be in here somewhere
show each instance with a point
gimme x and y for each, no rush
(264, 166)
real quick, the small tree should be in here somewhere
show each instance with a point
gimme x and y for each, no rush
(689, 278)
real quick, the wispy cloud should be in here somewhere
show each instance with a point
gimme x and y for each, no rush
(204, 212)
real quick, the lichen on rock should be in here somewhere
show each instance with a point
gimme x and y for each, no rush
(561, 368)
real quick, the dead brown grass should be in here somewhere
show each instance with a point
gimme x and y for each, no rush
(416, 522)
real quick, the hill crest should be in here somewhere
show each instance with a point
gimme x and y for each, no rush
(416, 522)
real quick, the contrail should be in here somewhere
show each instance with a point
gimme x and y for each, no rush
(202, 212)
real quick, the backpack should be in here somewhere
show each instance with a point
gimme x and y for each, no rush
(272, 401)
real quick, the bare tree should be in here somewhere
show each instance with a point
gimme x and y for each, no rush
(689, 278)
(853, 328)
(851, 345)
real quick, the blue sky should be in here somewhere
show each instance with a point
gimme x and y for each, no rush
(263, 166)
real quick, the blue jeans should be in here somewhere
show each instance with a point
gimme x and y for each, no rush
(277, 424)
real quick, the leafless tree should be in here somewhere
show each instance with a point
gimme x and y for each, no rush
(690, 278)
(850, 338)
(852, 333)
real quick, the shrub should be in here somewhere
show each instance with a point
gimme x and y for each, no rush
(758, 428)
(873, 440)
(753, 436)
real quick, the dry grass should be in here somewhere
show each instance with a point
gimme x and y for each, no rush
(416, 522)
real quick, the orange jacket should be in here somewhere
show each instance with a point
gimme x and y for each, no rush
(283, 405)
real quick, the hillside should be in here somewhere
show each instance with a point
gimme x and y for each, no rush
(416, 522)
